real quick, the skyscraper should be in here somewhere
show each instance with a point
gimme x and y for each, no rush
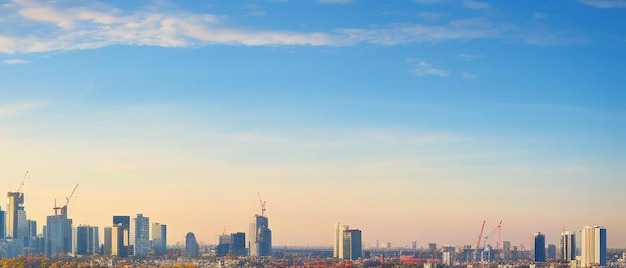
(2, 224)
(15, 204)
(551, 252)
(539, 240)
(348, 244)
(141, 235)
(260, 242)
(567, 246)
(58, 235)
(338, 245)
(118, 243)
(85, 240)
(593, 245)
(123, 222)
(108, 237)
(159, 238)
(238, 244)
(191, 246)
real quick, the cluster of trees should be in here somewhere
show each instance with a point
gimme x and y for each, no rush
(43, 262)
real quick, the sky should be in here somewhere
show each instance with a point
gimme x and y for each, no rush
(412, 120)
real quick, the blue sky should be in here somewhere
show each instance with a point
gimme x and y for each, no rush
(461, 110)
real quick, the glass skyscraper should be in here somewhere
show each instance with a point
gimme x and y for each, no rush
(539, 240)
(260, 238)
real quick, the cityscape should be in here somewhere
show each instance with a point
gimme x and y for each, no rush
(138, 241)
(313, 133)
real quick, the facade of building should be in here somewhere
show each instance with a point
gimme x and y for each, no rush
(85, 240)
(119, 243)
(593, 246)
(551, 252)
(159, 238)
(567, 247)
(191, 246)
(141, 235)
(108, 237)
(539, 249)
(238, 244)
(260, 237)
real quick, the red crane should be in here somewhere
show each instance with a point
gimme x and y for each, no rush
(480, 236)
(499, 230)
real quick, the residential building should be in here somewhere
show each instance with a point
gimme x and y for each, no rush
(567, 246)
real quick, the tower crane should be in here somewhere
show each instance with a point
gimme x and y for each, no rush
(262, 205)
(67, 202)
(22, 183)
(480, 236)
(67, 199)
(499, 230)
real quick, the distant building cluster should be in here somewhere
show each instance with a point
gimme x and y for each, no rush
(125, 237)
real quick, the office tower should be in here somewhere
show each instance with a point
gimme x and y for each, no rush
(593, 245)
(15, 204)
(551, 252)
(414, 245)
(238, 244)
(141, 237)
(191, 246)
(260, 237)
(446, 258)
(2, 224)
(108, 237)
(159, 238)
(85, 240)
(123, 222)
(58, 233)
(506, 250)
(338, 246)
(432, 247)
(118, 243)
(223, 246)
(352, 244)
(539, 240)
(567, 246)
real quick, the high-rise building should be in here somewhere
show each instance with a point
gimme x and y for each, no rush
(260, 242)
(191, 246)
(58, 233)
(338, 245)
(2, 224)
(159, 238)
(593, 246)
(348, 244)
(352, 244)
(223, 245)
(108, 237)
(567, 246)
(118, 245)
(506, 250)
(123, 222)
(141, 235)
(85, 240)
(551, 252)
(15, 204)
(539, 249)
(238, 244)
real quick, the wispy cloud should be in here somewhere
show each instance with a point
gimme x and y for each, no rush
(15, 61)
(341, 2)
(470, 57)
(14, 109)
(468, 75)
(471, 4)
(422, 68)
(605, 3)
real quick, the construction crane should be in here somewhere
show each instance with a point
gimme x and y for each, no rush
(499, 230)
(67, 199)
(480, 236)
(262, 205)
(22, 183)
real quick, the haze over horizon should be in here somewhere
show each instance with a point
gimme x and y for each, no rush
(409, 120)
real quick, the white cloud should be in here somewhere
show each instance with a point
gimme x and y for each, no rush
(468, 75)
(422, 68)
(471, 4)
(341, 2)
(605, 3)
(15, 61)
(469, 57)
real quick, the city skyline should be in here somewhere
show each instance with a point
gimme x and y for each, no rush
(436, 114)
